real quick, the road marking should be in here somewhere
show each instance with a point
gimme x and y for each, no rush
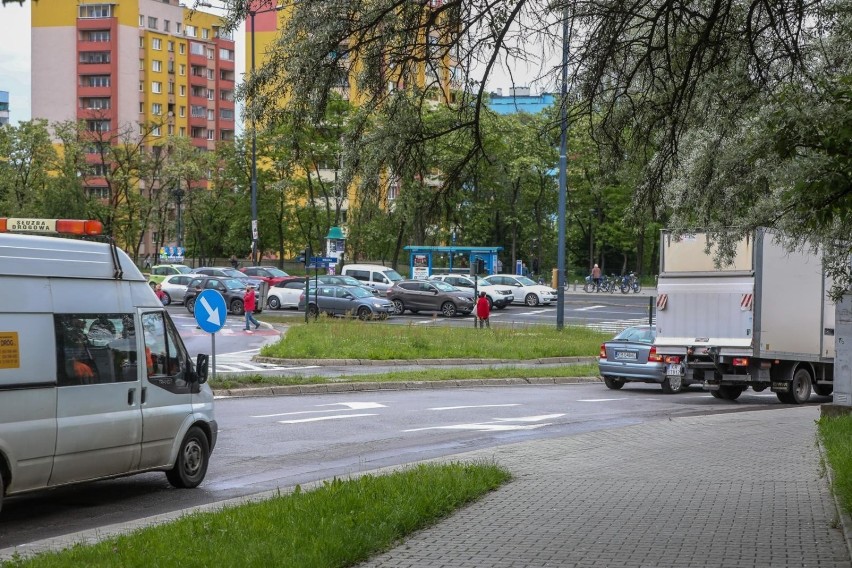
(356, 405)
(482, 427)
(294, 413)
(320, 418)
(617, 326)
(587, 308)
(531, 418)
(600, 399)
(471, 406)
(535, 313)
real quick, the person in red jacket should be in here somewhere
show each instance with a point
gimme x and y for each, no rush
(249, 304)
(483, 311)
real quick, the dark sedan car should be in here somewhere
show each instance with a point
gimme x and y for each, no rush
(232, 289)
(430, 296)
(346, 300)
(631, 356)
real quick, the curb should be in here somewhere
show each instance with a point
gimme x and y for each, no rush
(843, 516)
(326, 388)
(406, 362)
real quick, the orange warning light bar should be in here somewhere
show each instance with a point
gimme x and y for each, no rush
(58, 226)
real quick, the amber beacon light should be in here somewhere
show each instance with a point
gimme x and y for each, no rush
(51, 226)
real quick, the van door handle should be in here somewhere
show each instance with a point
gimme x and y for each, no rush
(144, 394)
(131, 396)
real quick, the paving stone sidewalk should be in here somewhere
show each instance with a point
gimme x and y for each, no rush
(730, 490)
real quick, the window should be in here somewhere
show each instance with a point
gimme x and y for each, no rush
(141, 108)
(171, 130)
(156, 65)
(99, 170)
(157, 43)
(211, 74)
(178, 26)
(197, 111)
(95, 103)
(97, 125)
(155, 131)
(98, 192)
(95, 81)
(196, 48)
(141, 21)
(141, 86)
(171, 87)
(182, 69)
(166, 26)
(170, 46)
(171, 66)
(211, 135)
(190, 31)
(211, 53)
(182, 48)
(156, 87)
(91, 11)
(205, 33)
(183, 90)
(141, 42)
(226, 54)
(211, 114)
(152, 22)
(226, 113)
(156, 109)
(182, 131)
(94, 57)
(182, 112)
(165, 362)
(95, 35)
(141, 64)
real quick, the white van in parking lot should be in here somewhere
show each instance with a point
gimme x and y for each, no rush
(376, 276)
(95, 381)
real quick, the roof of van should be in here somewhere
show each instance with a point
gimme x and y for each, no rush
(36, 255)
(376, 267)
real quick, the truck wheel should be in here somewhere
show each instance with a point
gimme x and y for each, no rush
(730, 392)
(672, 384)
(824, 390)
(613, 384)
(716, 394)
(800, 386)
(192, 460)
(531, 300)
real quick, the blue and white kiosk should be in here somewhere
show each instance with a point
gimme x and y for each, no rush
(420, 259)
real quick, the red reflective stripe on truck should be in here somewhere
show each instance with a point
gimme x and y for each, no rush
(746, 302)
(662, 299)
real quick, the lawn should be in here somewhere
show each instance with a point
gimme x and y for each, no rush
(836, 436)
(340, 524)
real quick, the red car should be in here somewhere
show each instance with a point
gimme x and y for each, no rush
(268, 274)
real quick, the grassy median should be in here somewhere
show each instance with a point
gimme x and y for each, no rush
(339, 524)
(336, 338)
(836, 436)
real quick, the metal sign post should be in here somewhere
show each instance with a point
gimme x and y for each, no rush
(210, 313)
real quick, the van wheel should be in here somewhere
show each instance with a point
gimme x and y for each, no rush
(531, 300)
(398, 307)
(190, 305)
(273, 302)
(237, 307)
(192, 460)
(448, 309)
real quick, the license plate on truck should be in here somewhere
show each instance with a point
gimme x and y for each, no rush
(674, 370)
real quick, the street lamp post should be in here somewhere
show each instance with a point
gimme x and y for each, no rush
(563, 178)
(254, 229)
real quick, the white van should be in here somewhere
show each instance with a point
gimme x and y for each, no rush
(375, 276)
(95, 381)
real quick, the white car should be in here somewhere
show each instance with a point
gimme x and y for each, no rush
(285, 294)
(498, 296)
(526, 291)
(175, 288)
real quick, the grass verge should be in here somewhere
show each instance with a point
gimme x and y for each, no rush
(836, 436)
(353, 339)
(237, 381)
(340, 524)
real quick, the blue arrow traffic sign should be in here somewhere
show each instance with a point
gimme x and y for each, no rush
(210, 311)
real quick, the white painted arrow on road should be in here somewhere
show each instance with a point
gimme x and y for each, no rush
(214, 314)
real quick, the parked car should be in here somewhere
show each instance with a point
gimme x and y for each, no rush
(374, 276)
(232, 289)
(345, 300)
(526, 291)
(341, 280)
(269, 274)
(498, 296)
(160, 271)
(228, 272)
(174, 288)
(286, 293)
(430, 296)
(631, 356)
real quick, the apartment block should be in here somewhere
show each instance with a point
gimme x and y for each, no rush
(4, 107)
(151, 65)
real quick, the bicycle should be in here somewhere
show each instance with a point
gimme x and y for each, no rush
(589, 286)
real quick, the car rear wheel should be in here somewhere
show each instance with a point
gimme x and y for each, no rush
(448, 309)
(398, 307)
(613, 384)
(313, 311)
(531, 300)
(190, 305)
(237, 307)
(672, 384)
(273, 302)
(364, 313)
(193, 458)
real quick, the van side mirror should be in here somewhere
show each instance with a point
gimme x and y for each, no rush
(202, 367)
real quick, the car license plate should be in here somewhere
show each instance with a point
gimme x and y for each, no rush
(631, 355)
(674, 370)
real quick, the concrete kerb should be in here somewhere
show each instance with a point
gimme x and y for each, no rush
(424, 362)
(842, 515)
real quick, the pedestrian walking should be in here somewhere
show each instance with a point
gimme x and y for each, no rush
(499, 266)
(596, 277)
(234, 262)
(483, 311)
(249, 304)
(147, 264)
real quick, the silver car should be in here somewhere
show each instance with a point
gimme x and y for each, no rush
(346, 300)
(631, 356)
(174, 287)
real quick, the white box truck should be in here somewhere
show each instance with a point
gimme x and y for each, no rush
(95, 381)
(764, 321)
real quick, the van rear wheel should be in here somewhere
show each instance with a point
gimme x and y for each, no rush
(192, 460)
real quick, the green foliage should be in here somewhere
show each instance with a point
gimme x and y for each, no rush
(836, 436)
(341, 523)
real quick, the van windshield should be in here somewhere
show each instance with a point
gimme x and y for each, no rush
(392, 275)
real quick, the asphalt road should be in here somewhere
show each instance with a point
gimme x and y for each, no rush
(278, 442)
